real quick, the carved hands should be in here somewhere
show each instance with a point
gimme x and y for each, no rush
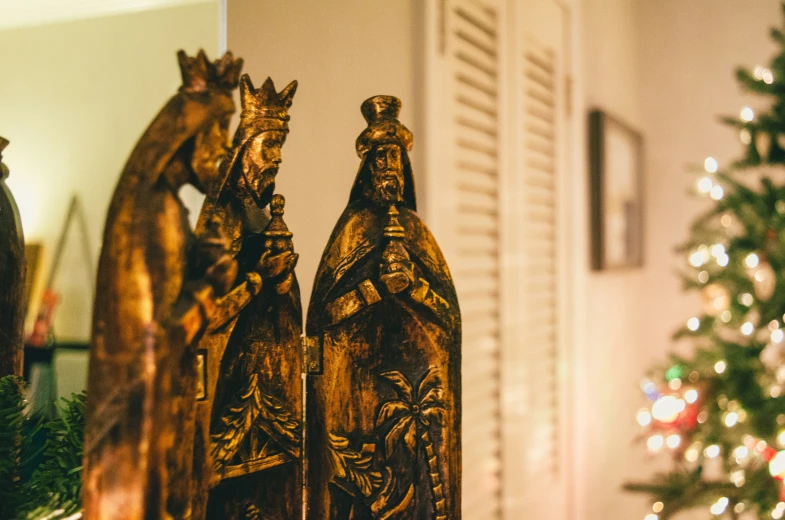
(276, 264)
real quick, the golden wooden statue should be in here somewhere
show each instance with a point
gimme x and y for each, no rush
(248, 432)
(12, 278)
(384, 335)
(136, 398)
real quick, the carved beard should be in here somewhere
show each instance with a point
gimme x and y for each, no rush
(387, 187)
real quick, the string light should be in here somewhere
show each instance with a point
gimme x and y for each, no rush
(731, 419)
(748, 328)
(720, 367)
(719, 507)
(738, 508)
(704, 185)
(723, 260)
(779, 510)
(777, 466)
(717, 250)
(768, 77)
(674, 384)
(752, 260)
(747, 114)
(777, 336)
(644, 417)
(655, 442)
(741, 453)
(746, 299)
(667, 408)
(726, 316)
(703, 276)
(693, 324)
(781, 438)
(710, 165)
(673, 441)
(716, 192)
(651, 516)
(657, 507)
(692, 454)
(691, 395)
(712, 451)
(744, 136)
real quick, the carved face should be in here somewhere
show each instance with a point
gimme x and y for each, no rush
(260, 161)
(386, 166)
(210, 145)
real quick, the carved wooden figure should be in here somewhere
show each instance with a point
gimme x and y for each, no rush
(248, 432)
(12, 278)
(384, 337)
(135, 394)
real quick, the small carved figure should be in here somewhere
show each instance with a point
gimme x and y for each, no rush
(383, 416)
(134, 388)
(248, 431)
(12, 278)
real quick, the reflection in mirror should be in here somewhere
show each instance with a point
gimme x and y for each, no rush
(77, 91)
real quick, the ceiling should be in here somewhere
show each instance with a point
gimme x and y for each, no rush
(21, 13)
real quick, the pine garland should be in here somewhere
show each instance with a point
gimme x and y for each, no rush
(53, 491)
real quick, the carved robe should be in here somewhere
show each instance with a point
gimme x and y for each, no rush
(134, 401)
(12, 279)
(248, 442)
(383, 419)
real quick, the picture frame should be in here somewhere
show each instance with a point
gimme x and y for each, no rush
(616, 192)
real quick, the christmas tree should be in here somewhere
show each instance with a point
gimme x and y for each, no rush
(720, 412)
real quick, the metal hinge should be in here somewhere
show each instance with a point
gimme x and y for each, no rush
(312, 354)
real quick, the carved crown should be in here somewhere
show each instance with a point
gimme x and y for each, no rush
(265, 102)
(200, 74)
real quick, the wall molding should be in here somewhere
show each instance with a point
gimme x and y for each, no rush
(27, 13)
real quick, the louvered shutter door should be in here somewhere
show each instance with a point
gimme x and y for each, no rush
(472, 55)
(534, 390)
(494, 131)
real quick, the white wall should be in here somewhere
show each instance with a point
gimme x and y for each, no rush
(74, 99)
(341, 53)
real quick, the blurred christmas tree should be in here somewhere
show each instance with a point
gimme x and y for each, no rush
(721, 411)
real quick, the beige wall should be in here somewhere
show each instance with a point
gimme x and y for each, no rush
(609, 361)
(74, 98)
(666, 67)
(341, 53)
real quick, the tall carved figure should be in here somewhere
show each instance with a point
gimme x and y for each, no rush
(12, 278)
(247, 449)
(383, 416)
(135, 369)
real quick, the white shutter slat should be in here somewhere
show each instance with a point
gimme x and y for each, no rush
(473, 62)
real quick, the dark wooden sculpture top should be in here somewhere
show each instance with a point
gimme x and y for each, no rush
(12, 278)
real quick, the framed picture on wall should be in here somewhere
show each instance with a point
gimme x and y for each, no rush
(616, 186)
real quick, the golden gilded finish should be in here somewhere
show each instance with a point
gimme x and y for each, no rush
(12, 278)
(195, 388)
(142, 371)
(383, 395)
(248, 429)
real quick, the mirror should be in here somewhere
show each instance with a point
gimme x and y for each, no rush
(79, 88)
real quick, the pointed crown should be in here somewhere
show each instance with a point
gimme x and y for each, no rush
(263, 107)
(200, 74)
(381, 114)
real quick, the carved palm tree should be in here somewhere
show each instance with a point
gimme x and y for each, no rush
(410, 417)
